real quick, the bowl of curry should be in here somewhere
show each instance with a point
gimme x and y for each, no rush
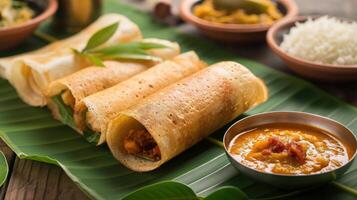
(243, 24)
(290, 149)
(19, 18)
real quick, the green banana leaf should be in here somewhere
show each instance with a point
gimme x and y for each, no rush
(166, 190)
(33, 134)
(4, 168)
(171, 190)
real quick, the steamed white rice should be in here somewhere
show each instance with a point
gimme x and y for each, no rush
(324, 40)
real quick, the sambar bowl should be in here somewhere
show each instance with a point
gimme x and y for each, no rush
(291, 181)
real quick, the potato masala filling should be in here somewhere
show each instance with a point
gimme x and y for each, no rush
(14, 12)
(289, 149)
(258, 12)
(141, 144)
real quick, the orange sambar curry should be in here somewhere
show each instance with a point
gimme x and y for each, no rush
(289, 149)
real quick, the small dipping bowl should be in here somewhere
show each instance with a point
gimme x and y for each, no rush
(10, 37)
(303, 67)
(236, 33)
(291, 181)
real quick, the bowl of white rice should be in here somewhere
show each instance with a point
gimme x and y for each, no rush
(317, 47)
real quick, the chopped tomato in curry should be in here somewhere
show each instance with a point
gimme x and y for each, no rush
(293, 148)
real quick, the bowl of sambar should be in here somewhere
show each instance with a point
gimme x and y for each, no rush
(290, 150)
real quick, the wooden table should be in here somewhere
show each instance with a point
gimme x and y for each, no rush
(34, 180)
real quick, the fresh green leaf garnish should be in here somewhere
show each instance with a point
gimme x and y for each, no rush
(95, 60)
(128, 51)
(132, 50)
(129, 46)
(133, 56)
(101, 36)
(75, 51)
(65, 111)
(91, 57)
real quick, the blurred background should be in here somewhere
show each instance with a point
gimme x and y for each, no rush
(339, 8)
(262, 53)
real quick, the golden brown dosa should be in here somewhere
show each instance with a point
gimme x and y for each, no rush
(93, 79)
(96, 110)
(184, 113)
(31, 74)
(89, 81)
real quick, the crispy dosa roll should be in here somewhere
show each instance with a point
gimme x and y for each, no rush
(93, 112)
(69, 90)
(7, 62)
(150, 133)
(31, 74)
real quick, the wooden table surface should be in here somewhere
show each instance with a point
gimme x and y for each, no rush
(29, 179)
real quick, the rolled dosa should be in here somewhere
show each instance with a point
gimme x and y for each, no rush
(87, 81)
(90, 80)
(7, 62)
(94, 111)
(150, 133)
(31, 74)
(4, 65)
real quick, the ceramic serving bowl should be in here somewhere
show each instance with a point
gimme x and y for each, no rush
(291, 181)
(309, 69)
(238, 33)
(12, 36)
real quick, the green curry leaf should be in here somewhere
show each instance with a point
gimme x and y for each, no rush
(133, 50)
(65, 111)
(95, 60)
(91, 58)
(101, 36)
(133, 56)
(131, 46)
(66, 114)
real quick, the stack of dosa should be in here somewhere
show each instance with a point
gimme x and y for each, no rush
(94, 111)
(147, 112)
(31, 74)
(90, 80)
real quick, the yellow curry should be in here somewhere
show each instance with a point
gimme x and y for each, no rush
(289, 149)
(208, 11)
